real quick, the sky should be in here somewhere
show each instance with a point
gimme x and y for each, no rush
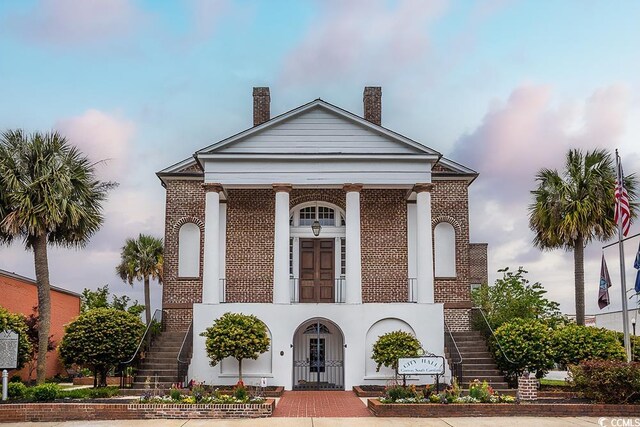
(503, 87)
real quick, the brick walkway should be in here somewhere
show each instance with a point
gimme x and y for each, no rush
(320, 404)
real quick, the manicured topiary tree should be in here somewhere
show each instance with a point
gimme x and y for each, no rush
(17, 323)
(100, 339)
(236, 335)
(392, 346)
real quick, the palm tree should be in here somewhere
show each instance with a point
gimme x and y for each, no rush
(571, 209)
(142, 259)
(48, 195)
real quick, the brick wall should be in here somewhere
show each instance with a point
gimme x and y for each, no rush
(383, 229)
(250, 234)
(55, 412)
(184, 203)
(478, 263)
(450, 203)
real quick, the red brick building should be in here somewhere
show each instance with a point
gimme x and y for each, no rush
(20, 295)
(331, 229)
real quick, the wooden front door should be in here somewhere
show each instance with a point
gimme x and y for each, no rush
(317, 270)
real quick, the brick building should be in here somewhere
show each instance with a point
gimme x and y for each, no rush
(331, 229)
(20, 295)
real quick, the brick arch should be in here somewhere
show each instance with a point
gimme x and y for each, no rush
(186, 219)
(333, 196)
(448, 219)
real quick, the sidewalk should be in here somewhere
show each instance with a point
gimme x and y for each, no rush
(337, 422)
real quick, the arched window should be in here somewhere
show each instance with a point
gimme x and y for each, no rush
(445, 250)
(189, 250)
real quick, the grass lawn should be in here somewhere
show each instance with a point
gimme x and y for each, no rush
(554, 383)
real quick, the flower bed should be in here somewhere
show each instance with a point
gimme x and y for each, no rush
(41, 412)
(380, 409)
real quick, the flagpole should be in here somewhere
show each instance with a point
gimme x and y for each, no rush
(623, 278)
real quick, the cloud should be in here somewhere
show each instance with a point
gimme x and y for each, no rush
(361, 36)
(101, 137)
(75, 23)
(530, 130)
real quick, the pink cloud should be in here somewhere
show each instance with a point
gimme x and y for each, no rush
(362, 36)
(530, 131)
(101, 137)
(72, 22)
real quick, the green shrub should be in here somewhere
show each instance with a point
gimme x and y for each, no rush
(398, 392)
(529, 346)
(102, 392)
(175, 394)
(46, 392)
(101, 338)
(16, 390)
(635, 345)
(607, 381)
(240, 393)
(573, 343)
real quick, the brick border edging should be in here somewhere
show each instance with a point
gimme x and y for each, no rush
(363, 393)
(23, 412)
(436, 410)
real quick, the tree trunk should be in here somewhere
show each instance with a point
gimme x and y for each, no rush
(578, 260)
(44, 304)
(147, 300)
(239, 370)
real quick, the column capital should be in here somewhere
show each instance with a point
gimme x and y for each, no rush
(211, 187)
(352, 187)
(422, 187)
(280, 187)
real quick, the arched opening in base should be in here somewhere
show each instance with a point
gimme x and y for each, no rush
(318, 356)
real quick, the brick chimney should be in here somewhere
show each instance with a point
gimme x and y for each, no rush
(372, 99)
(261, 105)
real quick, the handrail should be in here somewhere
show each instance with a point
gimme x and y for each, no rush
(456, 365)
(479, 309)
(184, 342)
(448, 331)
(146, 333)
(184, 355)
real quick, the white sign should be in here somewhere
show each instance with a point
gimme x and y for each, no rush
(425, 365)
(8, 350)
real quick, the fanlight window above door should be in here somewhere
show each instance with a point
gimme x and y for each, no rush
(325, 215)
(313, 329)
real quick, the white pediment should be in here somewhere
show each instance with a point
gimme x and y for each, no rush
(318, 128)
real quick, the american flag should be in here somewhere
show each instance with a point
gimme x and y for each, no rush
(622, 215)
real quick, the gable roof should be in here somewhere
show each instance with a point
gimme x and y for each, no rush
(447, 168)
(416, 147)
(29, 281)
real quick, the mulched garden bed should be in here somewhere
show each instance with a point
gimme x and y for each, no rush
(436, 410)
(270, 391)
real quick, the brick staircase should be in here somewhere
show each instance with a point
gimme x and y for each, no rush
(478, 363)
(160, 363)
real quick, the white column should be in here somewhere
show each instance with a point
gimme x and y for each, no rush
(353, 286)
(424, 244)
(281, 288)
(211, 269)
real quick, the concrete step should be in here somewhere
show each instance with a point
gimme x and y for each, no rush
(465, 334)
(137, 385)
(160, 378)
(488, 378)
(480, 373)
(143, 372)
(161, 365)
